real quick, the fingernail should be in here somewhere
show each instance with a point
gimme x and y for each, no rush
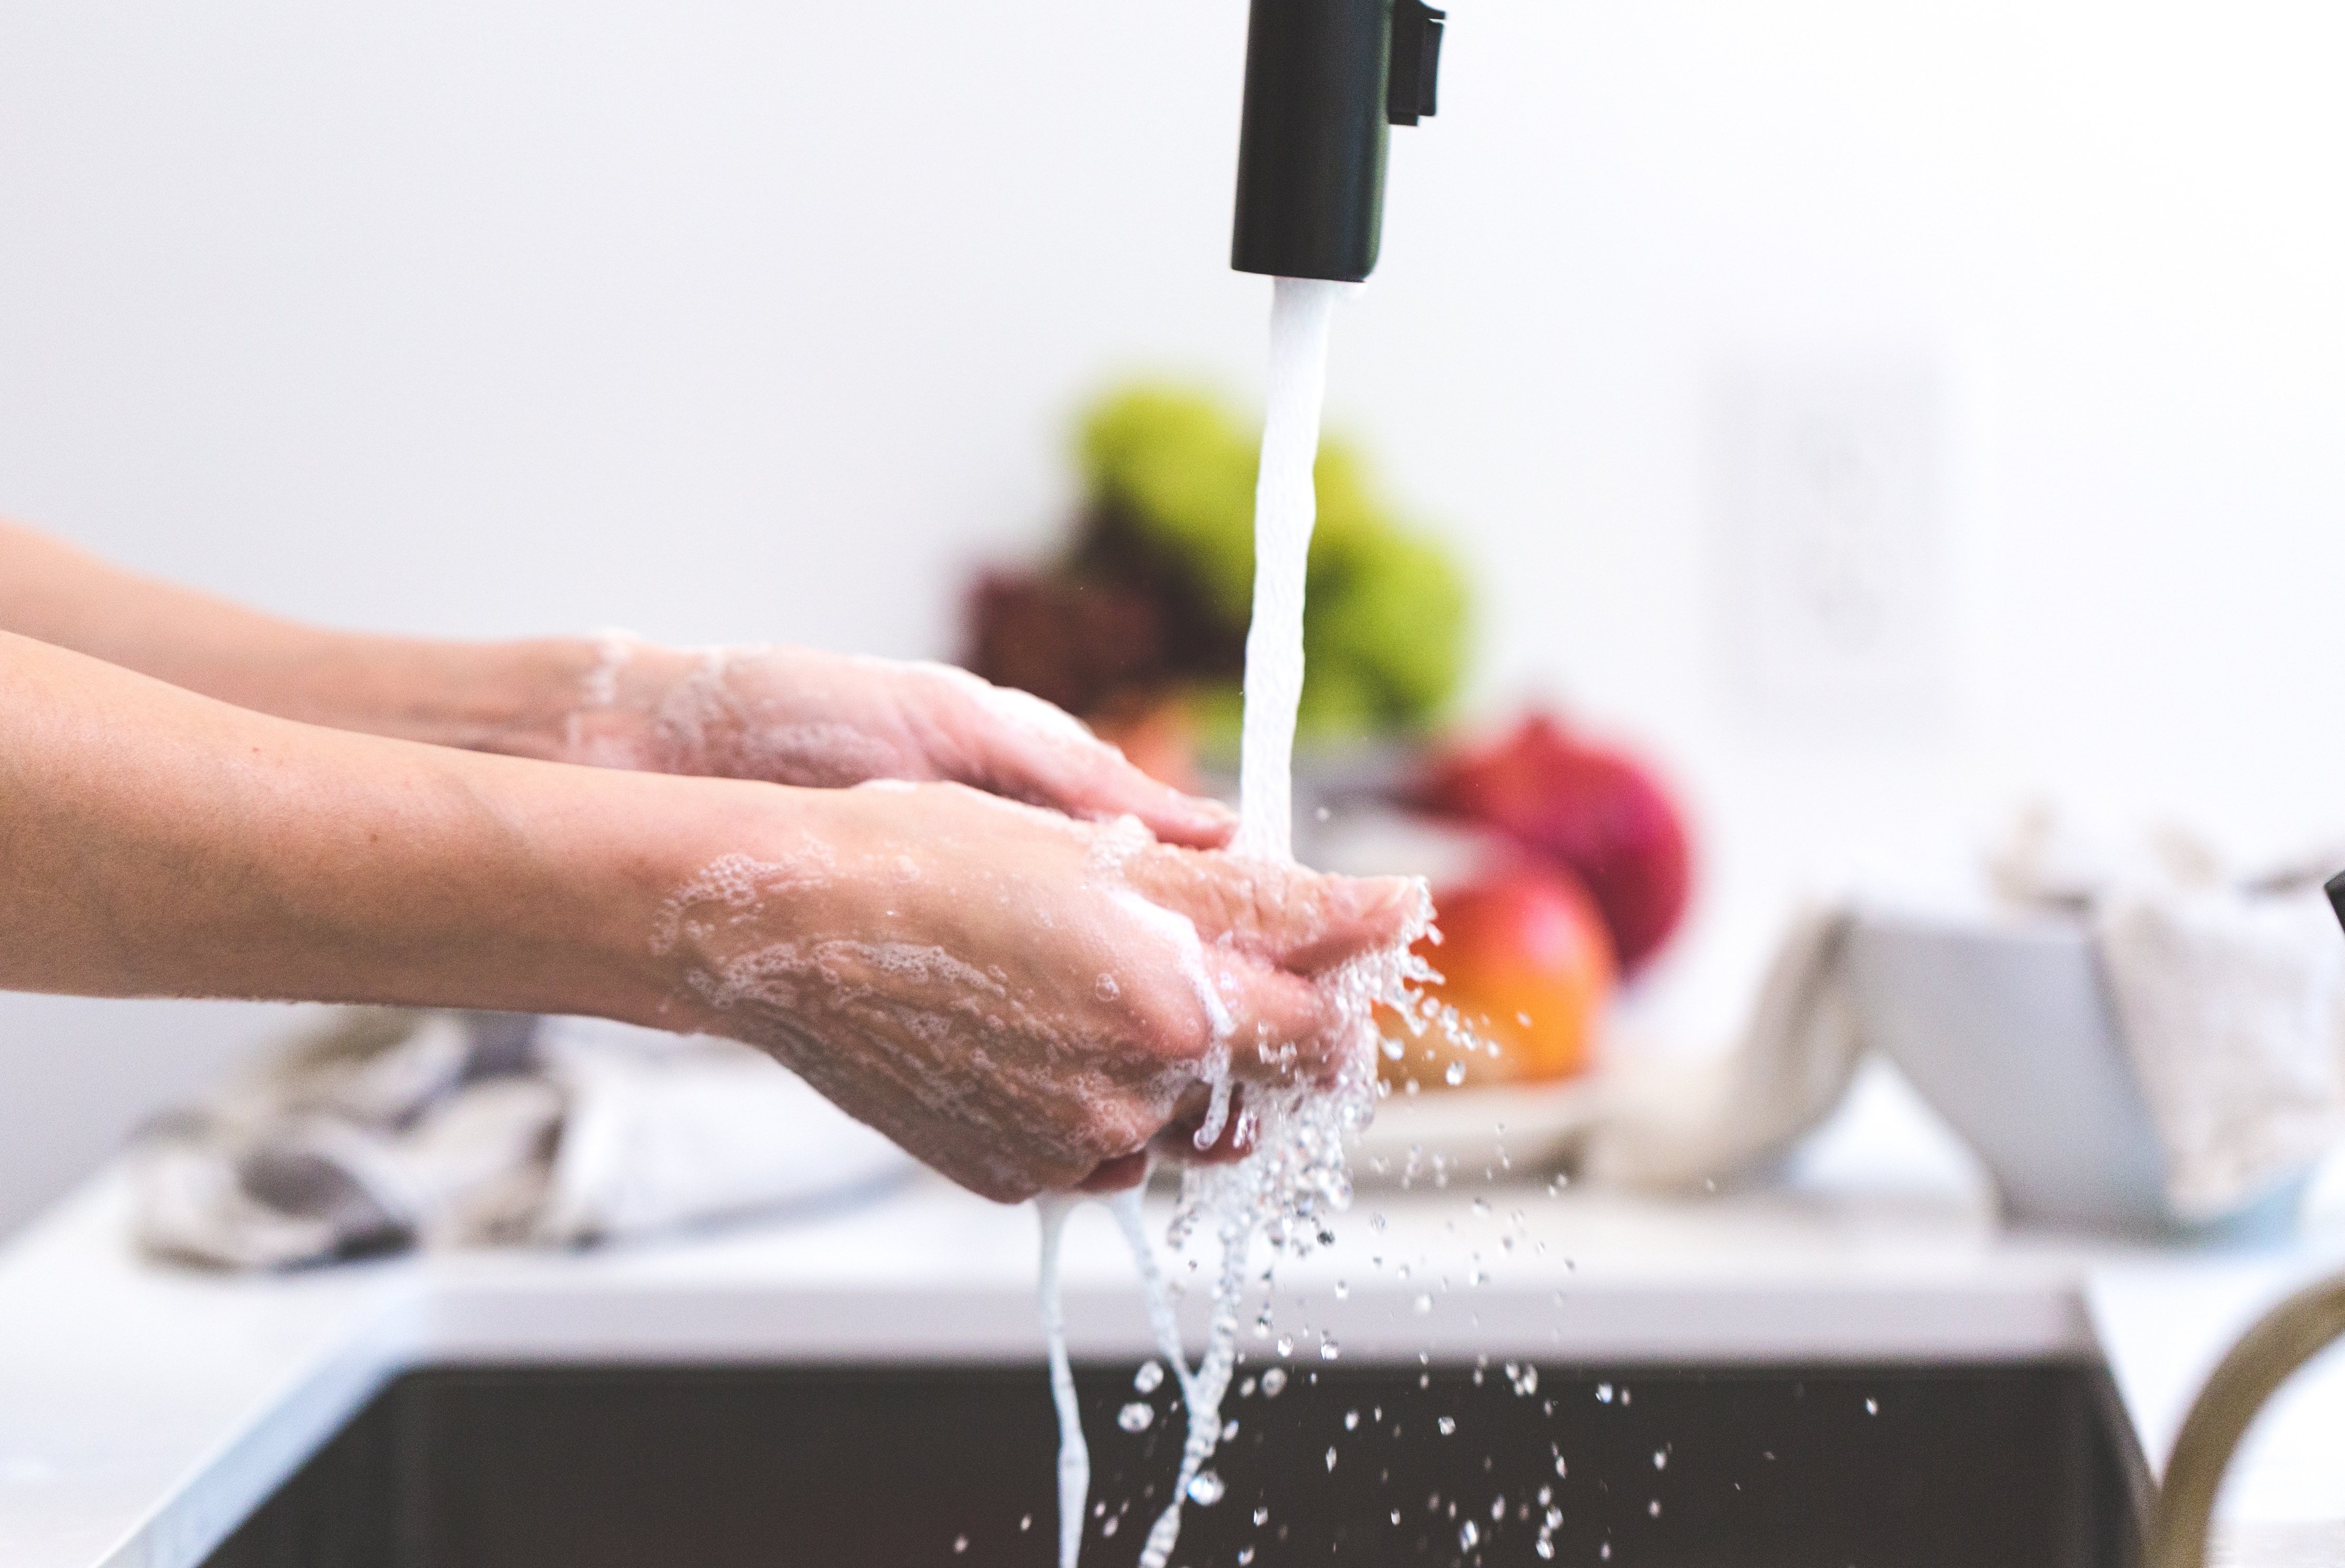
(1210, 814)
(1394, 899)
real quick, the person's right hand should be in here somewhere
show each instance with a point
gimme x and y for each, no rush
(1022, 1000)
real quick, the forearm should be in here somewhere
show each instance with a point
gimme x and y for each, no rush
(514, 697)
(154, 842)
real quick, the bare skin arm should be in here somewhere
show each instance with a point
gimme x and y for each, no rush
(780, 715)
(1005, 991)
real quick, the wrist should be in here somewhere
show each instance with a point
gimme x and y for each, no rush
(514, 698)
(744, 875)
(681, 881)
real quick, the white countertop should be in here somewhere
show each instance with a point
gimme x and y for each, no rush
(145, 1409)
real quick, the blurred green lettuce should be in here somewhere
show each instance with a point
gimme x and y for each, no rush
(1169, 474)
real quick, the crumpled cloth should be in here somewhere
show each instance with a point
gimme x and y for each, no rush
(394, 1129)
(2229, 991)
(1675, 1125)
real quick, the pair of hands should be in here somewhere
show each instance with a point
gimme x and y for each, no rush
(1010, 950)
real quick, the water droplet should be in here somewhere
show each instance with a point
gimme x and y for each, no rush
(1205, 1489)
(1286, 1344)
(1498, 1507)
(1661, 1459)
(1343, 1290)
(1553, 1519)
(1351, 1420)
(1150, 1377)
(961, 1543)
(1229, 1428)
(1603, 1393)
(1261, 1517)
(1469, 1536)
(1322, 814)
(1423, 1302)
(1245, 1555)
(1110, 1527)
(1454, 1074)
(1560, 1469)
(1025, 1521)
(1481, 1208)
(1544, 1547)
(1136, 1417)
(1331, 1457)
(1872, 1406)
(1273, 1380)
(1605, 1552)
(1448, 1424)
(1654, 1508)
(1395, 1516)
(1546, 1495)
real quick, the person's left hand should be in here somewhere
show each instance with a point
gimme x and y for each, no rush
(796, 715)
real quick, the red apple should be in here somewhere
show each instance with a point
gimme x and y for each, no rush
(1527, 962)
(1586, 808)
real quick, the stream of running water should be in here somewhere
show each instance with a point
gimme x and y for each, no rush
(1296, 1174)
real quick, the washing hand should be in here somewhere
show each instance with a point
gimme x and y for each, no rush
(1025, 1001)
(796, 716)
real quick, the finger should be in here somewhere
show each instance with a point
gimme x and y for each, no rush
(1116, 1175)
(1281, 1025)
(1014, 743)
(1178, 1141)
(1092, 779)
(1284, 915)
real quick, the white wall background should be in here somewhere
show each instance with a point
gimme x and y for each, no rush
(723, 321)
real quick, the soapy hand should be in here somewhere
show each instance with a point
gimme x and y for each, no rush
(1025, 1001)
(796, 715)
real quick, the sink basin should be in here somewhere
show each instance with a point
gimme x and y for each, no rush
(1996, 1466)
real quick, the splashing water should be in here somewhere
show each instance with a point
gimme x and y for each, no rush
(1286, 1190)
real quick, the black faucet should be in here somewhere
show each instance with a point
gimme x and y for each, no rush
(1323, 78)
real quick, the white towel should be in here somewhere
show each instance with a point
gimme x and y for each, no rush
(2229, 991)
(438, 1129)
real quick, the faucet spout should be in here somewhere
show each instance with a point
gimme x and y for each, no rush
(1324, 80)
(2269, 1353)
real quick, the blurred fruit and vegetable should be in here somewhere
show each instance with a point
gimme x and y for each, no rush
(1137, 623)
(1584, 808)
(1527, 963)
(1147, 604)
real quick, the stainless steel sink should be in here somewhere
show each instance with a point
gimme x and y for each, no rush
(2005, 1466)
